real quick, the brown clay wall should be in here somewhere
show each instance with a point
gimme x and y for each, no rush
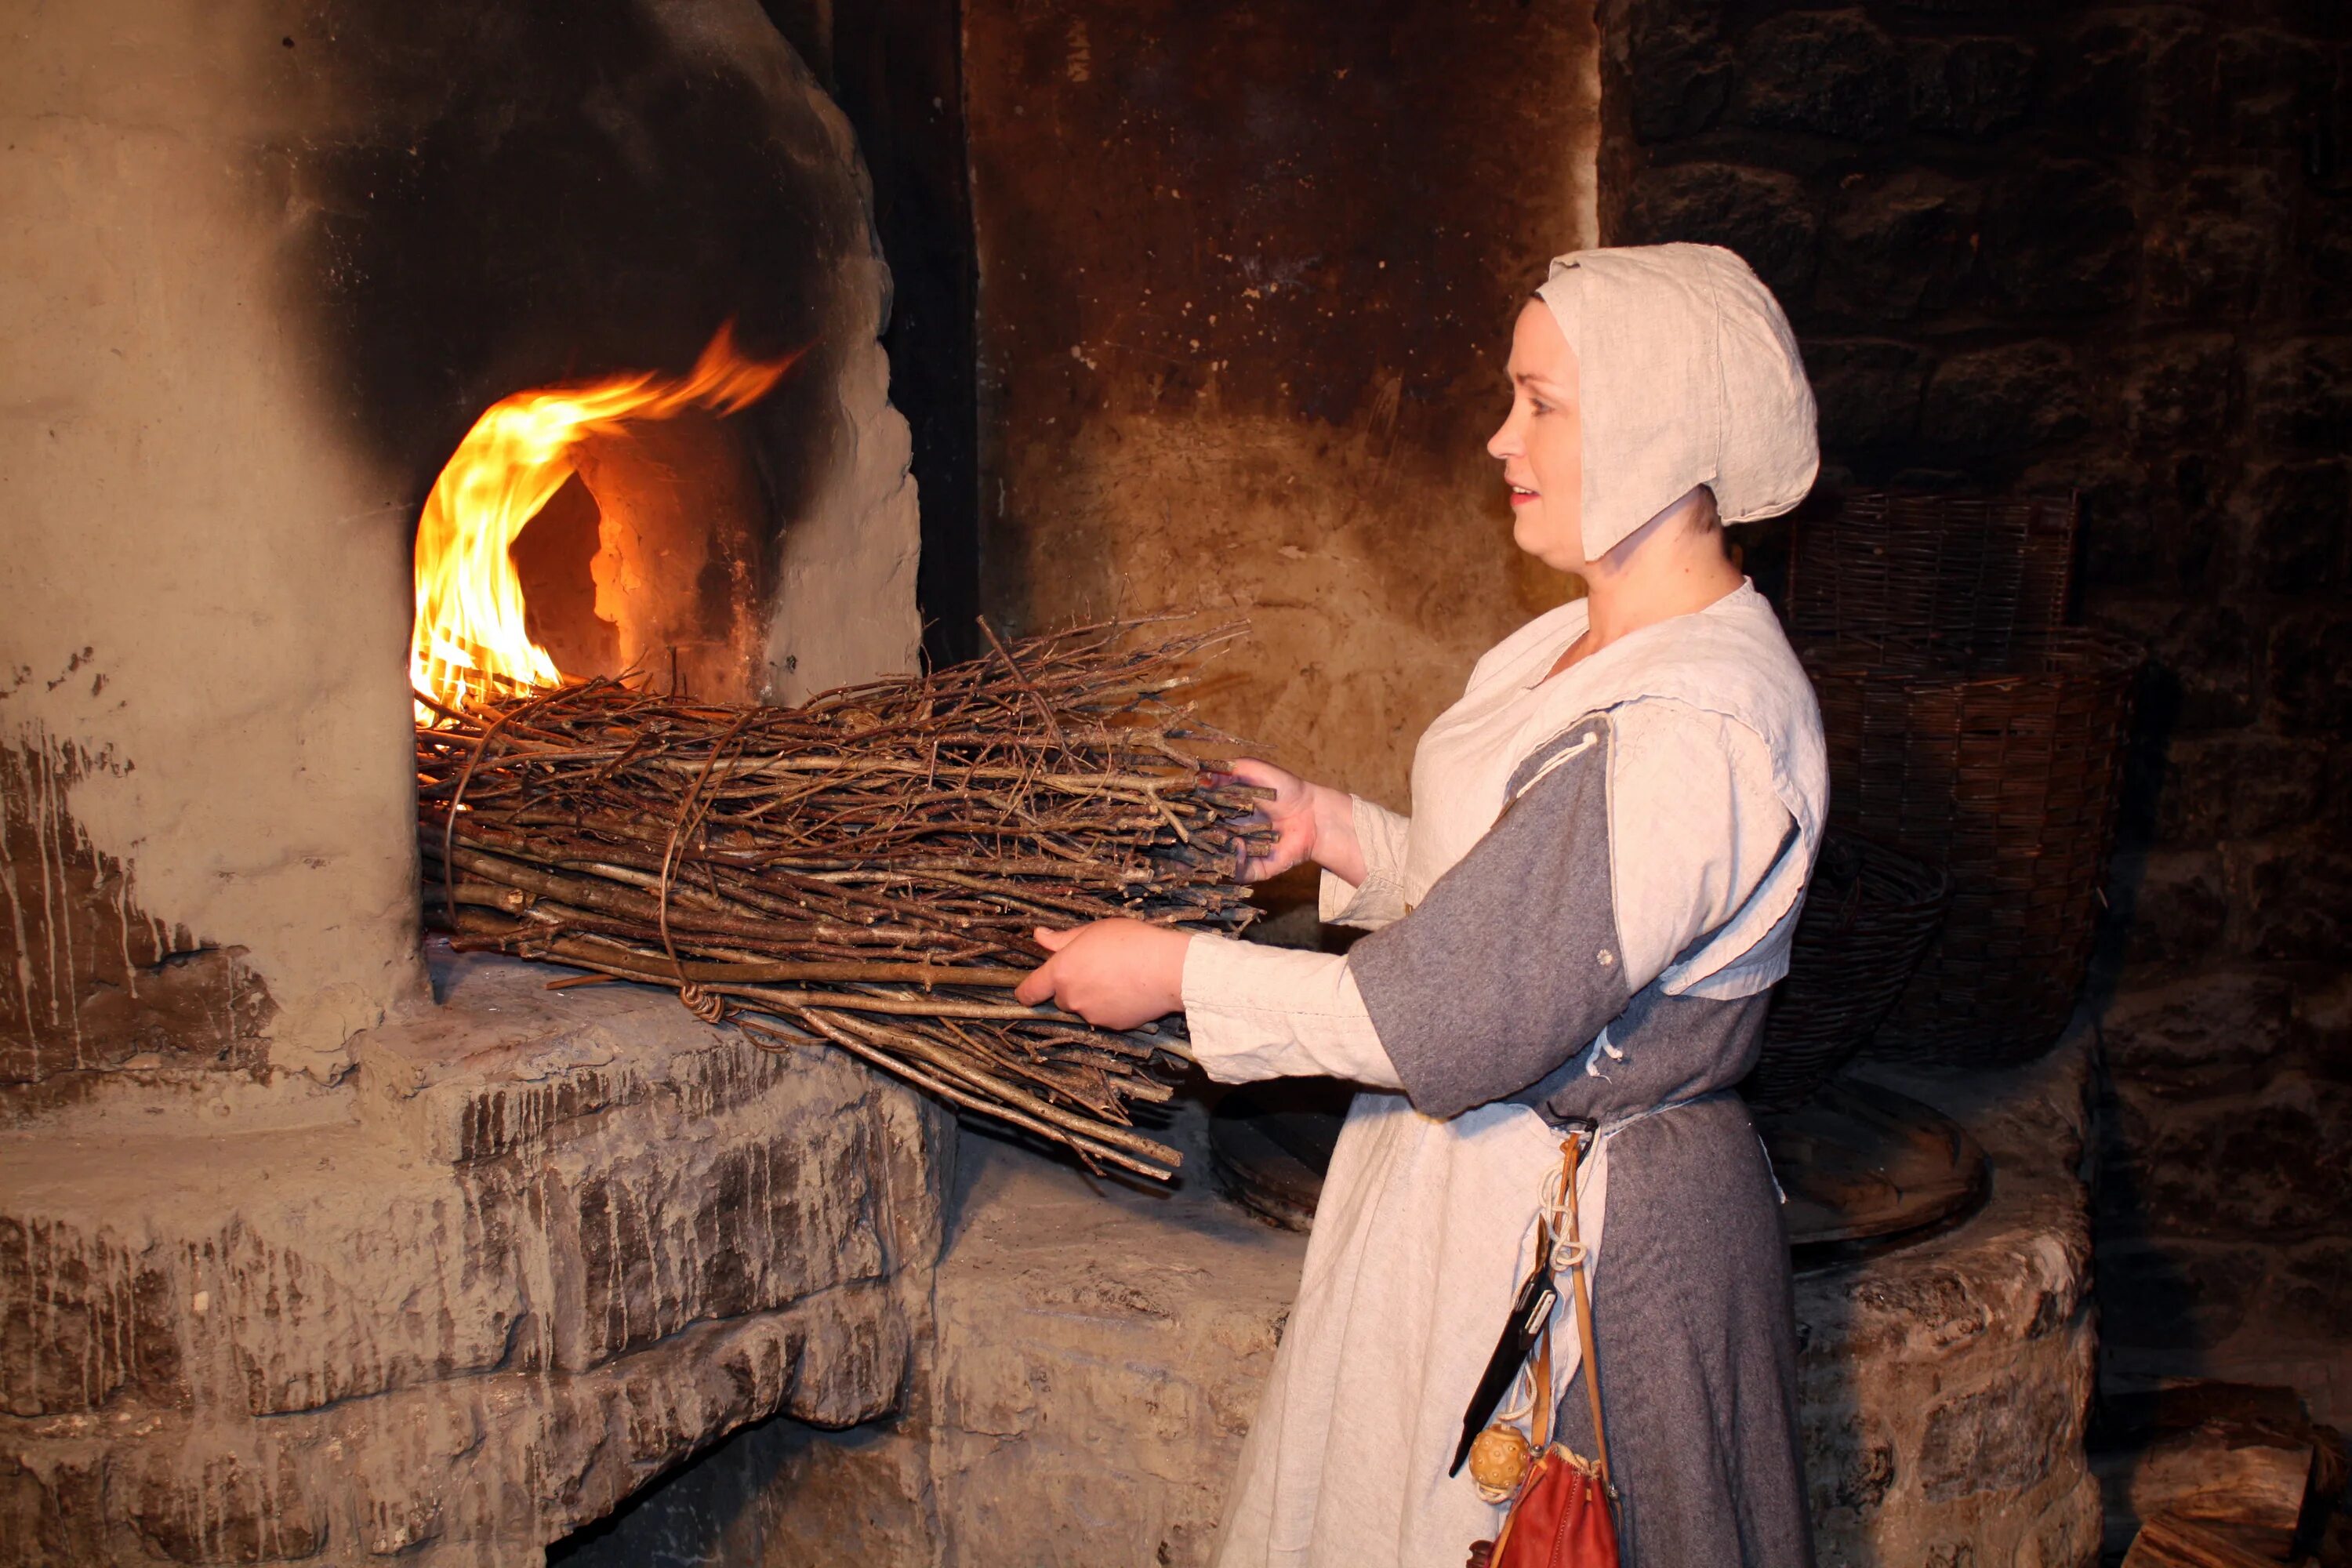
(1246, 275)
(2105, 248)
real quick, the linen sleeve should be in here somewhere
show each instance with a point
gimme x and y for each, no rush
(1379, 898)
(1257, 1012)
(1630, 838)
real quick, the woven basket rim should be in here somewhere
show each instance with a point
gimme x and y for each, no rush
(2079, 651)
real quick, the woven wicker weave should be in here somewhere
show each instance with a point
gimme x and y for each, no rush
(1869, 916)
(2002, 770)
(1972, 575)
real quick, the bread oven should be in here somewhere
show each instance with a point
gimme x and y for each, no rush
(315, 1244)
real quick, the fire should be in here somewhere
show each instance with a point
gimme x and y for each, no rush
(469, 639)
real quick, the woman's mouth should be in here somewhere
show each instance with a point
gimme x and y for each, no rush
(1521, 495)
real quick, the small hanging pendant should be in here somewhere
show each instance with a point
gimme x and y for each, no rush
(1499, 1460)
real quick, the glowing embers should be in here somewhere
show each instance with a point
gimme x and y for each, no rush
(470, 638)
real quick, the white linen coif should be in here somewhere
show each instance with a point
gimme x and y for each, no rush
(1687, 374)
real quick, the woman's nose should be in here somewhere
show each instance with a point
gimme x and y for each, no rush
(1502, 444)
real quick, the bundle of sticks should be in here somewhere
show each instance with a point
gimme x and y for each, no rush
(866, 869)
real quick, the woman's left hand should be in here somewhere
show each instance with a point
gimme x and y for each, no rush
(1114, 974)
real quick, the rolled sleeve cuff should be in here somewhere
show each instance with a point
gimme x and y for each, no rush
(1379, 898)
(1257, 1012)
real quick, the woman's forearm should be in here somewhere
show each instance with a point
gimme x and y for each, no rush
(1336, 848)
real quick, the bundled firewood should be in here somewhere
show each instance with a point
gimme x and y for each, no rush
(866, 869)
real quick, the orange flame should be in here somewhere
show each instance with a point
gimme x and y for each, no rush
(468, 640)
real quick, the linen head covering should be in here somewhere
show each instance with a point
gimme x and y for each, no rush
(1687, 374)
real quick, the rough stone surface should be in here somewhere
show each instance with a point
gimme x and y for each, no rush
(1868, 389)
(2110, 251)
(1971, 87)
(2006, 399)
(1830, 71)
(1762, 214)
(545, 1247)
(1898, 246)
(2309, 672)
(1100, 1353)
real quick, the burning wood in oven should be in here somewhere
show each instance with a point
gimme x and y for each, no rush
(864, 870)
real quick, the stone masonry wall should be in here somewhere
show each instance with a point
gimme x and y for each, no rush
(2107, 247)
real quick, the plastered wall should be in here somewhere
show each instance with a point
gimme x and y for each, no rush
(265, 263)
(1246, 279)
(203, 593)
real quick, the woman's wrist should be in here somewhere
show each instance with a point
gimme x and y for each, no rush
(1336, 848)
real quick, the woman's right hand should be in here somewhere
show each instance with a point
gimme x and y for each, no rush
(1310, 822)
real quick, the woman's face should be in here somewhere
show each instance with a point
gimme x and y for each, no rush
(1541, 442)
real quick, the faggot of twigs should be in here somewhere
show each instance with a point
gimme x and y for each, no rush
(864, 870)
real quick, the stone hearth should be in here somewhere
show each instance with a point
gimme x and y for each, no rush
(1100, 1353)
(554, 1242)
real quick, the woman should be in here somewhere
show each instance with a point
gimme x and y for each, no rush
(1612, 835)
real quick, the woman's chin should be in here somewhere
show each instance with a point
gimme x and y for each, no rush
(1533, 539)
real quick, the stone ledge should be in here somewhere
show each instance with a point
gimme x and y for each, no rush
(532, 1254)
(1100, 1353)
(473, 1470)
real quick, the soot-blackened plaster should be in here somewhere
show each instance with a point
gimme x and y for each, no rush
(1246, 281)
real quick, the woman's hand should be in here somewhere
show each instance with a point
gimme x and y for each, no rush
(1114, 974)
(1310, 822)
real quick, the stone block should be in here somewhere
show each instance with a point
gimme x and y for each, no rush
(648, 1241)
(1897, 246)
(2294, 900)
(2216, 248)
(2175, 904)
(2307, 672)
(1998, 1440)
(2302, 393)
(2061, 236)
(2138, 80)
(1867, 390)
(2238, 783)
(2181, 389)
(2325, 257)
(1677, 67)
(53, 1507)
(1971, 87)
(2214, 1023)
(2006, 399)
(2311, 1293)
(2128, 535)
(2300, 523)
(220, 1501)
(2323, 1024)
(2233, 1168)
(1828, 71)
(2203, 660)
(1762, 213)
(2269, 87)
(2176, 1294)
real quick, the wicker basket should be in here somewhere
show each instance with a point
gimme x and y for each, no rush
(1869, 916)
(2004, 772)
(1973, 576)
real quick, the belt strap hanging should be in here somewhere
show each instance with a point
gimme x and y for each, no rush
(1542, 1425)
